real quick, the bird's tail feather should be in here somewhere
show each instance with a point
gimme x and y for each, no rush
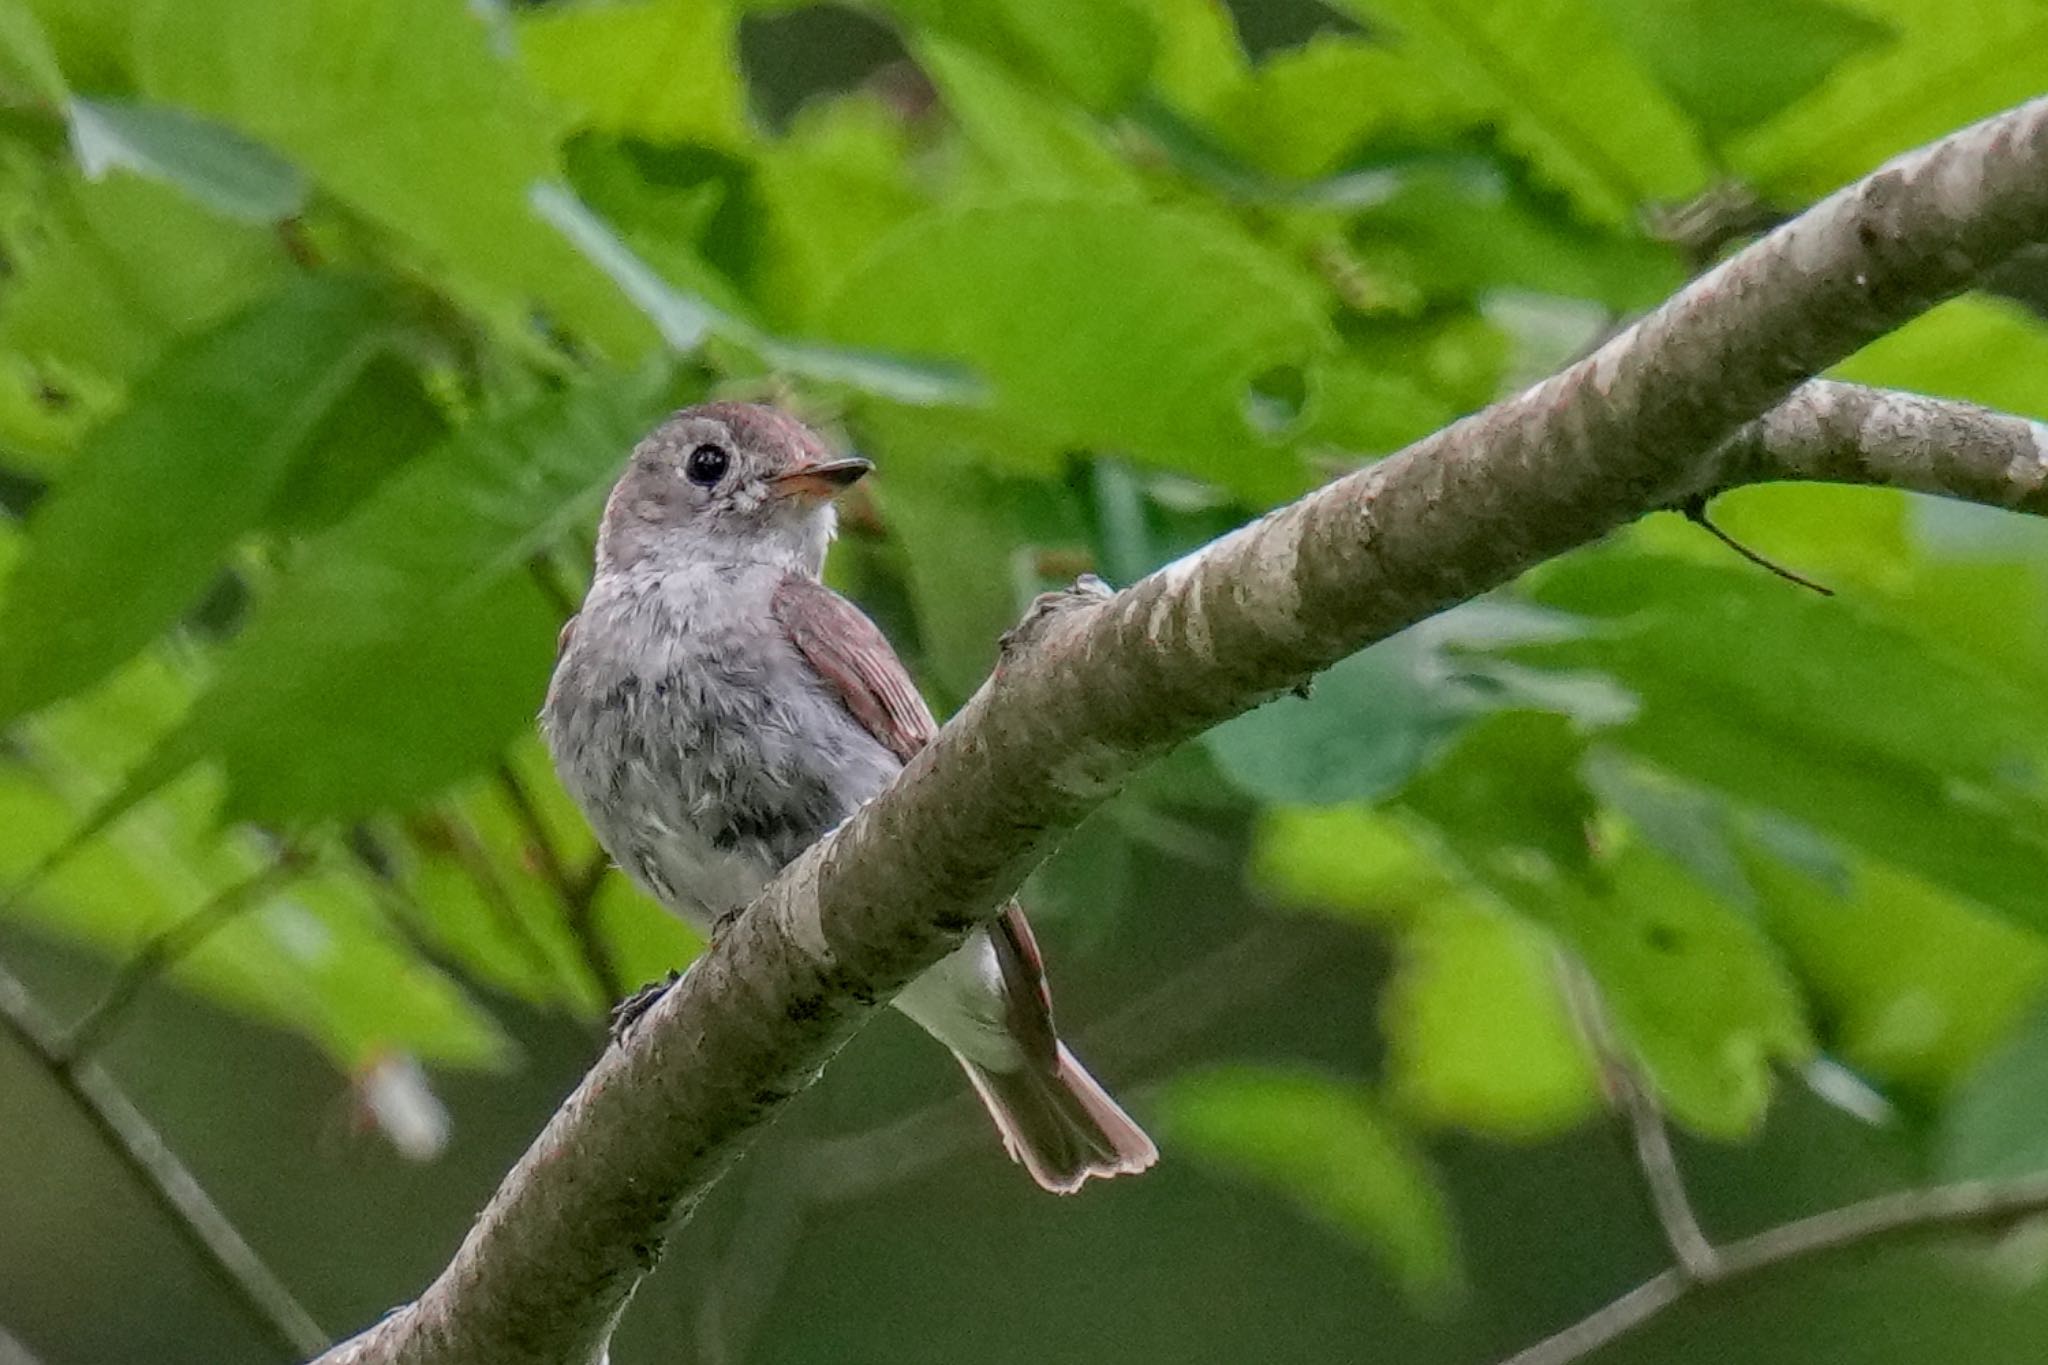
(1060, 1123)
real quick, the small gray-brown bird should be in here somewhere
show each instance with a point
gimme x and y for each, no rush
(716, 709)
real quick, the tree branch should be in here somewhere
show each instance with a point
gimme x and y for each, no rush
(1631, 1098)
(137, 1146)
(1844, 433)
(1095, 686)
(1974, 1204)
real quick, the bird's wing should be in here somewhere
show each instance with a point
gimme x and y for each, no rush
(849, 653)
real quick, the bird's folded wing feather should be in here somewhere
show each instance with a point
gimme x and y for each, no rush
(851, 654)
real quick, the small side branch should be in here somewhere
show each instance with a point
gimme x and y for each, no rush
(1631, 1098)
(136, 1144)
(1979, 1204)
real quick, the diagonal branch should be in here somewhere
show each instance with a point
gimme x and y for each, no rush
(1982, 1204)
(1629, 1095)
(190, 1211)
(1094, 685)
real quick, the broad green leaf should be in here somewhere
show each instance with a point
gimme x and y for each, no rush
(1107, 326)
(1370, 722)
(1810, 707)
(1325, 1145)
(1948, 66)
(1696, 991)
(1478, 1033)
(685, 321)
(400, 109)
(1308, 110)
(1200, 58)
(1732, 64)
(28, 64)
(1095, 51)
(832, 188)
(109, 274)
(1353, 862)
(1566, 93)
(384, 419)
(161, 492)
(1912, 986)
(1463, 230)
(311, 956)
(217, 166)
(664, 70)
(414, 623)
(1022, 142)
(1997, 1124)
(90, 38)
(1988, 350)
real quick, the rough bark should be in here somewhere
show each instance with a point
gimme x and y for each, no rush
(1094, 686)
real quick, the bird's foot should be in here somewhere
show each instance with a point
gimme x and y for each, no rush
(722, 926)
(627, 1012)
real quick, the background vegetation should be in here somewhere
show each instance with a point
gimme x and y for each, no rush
(325, 326)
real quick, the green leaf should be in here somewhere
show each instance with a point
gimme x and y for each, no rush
(836, 184)
(109, 274)
(27, 62)
(1478, 1033)
(1350, 861)
(217, 166)
(1949, 66)
(664, 70)
(384, 419)
(1997, 1125)
(1987, 350)
(415, 620)
(422, 129)
(162, 491)
(1695, 990)
(1323, 1144)
(1732, 64)
(1813, 708)
(1913, 986)
(685, 321)
(312, 957)
(1372, 721)
(1094, 51)
(1567, 95)
(1463, 230)
(1307, 110)
(1107, 326)
(1023, 142)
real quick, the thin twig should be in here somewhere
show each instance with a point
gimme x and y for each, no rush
(576, 891)
(141, 1150)
(164, 950)
(1973, 1204)
(1695, 511)
(1637, 1106)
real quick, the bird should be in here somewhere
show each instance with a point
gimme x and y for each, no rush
(716, 708)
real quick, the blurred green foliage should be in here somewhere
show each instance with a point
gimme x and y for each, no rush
(326, 324)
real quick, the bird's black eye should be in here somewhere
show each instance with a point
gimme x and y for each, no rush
(706, 464)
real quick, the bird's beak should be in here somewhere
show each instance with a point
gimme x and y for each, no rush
(824, 480)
